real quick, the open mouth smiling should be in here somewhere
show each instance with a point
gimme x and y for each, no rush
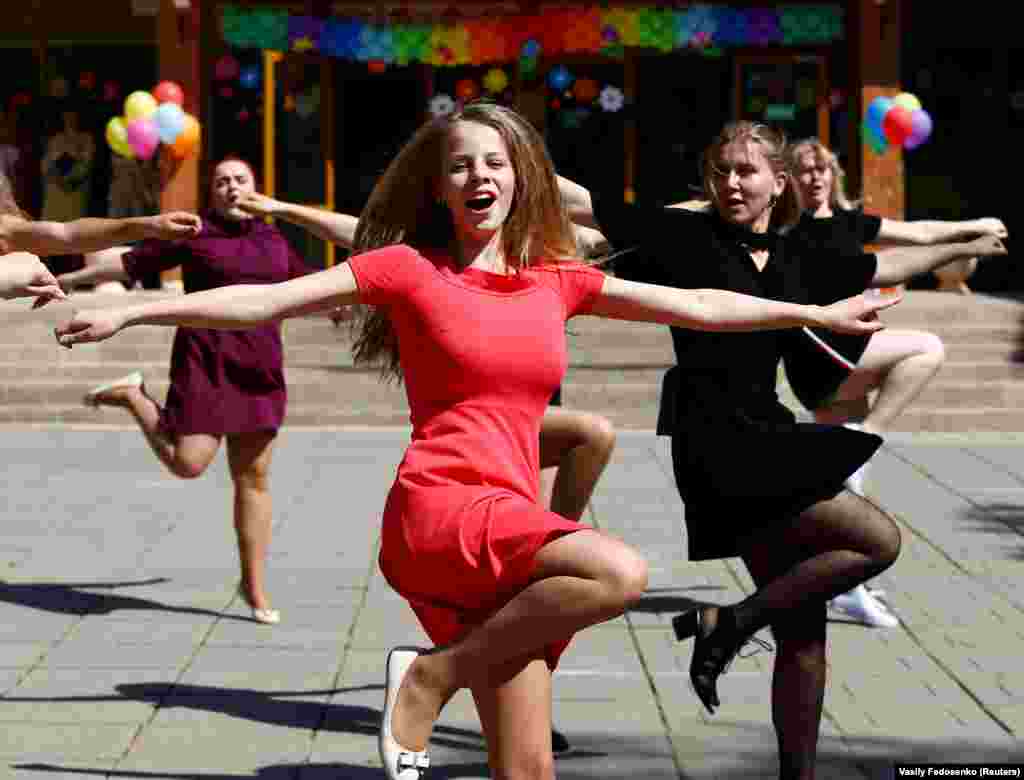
(480, 202)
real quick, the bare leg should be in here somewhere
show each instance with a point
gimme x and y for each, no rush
(185, 456)
(575, 448)
(515, 712)
(580, 579)
(898, 363)
(249, 457)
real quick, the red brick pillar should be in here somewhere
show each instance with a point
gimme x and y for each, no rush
(178, 60)
(874, 31)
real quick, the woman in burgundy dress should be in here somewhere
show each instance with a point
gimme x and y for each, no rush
(224, 384)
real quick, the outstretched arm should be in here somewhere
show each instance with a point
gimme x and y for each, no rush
(91, 234)
(928, 231)
(235, 307)
(577, 201)
(721, 310)
(106, 265)
(23, 275)
(339, 229)
(898, 264)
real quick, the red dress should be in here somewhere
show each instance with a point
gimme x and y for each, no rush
(481, 353)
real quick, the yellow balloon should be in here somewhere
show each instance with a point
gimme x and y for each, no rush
(117, 137)
(139, 105)
(907, 101)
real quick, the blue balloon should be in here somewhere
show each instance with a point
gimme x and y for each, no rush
(250, 76)
(170, 121)
(877, 109)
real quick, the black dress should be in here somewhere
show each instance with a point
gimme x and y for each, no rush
(742, 463)
(813, 373)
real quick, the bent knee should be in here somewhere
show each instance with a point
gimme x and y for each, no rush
(600, 433)
(630, 578)
(188, 469)
(886, 546)
(532, 763)
(933, 347)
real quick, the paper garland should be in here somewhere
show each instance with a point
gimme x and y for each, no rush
(575, 30)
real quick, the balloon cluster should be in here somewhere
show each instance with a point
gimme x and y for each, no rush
(899, 121)
(152, 118)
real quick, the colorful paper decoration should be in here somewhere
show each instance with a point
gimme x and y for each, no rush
(495, 81)
(611, 99)
(572, 30)
(441, 105)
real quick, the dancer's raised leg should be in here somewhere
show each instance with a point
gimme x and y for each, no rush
(579, 580)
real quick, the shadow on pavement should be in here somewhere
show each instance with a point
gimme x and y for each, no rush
(1003, 519)
(75, 598)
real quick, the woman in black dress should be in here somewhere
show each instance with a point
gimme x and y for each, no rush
(756, 483)
(832, 375)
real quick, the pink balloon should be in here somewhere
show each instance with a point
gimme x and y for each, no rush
(920, 129)
(143, 137)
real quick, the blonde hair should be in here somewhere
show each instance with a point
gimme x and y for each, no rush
(838, 197)
(403, 208)
(786, 210)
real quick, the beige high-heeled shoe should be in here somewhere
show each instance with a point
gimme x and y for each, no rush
(133, 379)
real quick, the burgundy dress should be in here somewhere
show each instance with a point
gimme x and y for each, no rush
(223, 381)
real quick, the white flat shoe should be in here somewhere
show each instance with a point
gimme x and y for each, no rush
(399, 763)
(269, 616)
(134, 379)
(864, 607)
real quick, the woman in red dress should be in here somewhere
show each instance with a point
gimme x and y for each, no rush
(467, 260)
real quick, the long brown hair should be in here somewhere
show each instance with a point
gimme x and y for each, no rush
(838, 197)
(403, 208)
(772, 142)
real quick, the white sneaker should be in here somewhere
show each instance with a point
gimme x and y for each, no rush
(864, 608)
(855, 482)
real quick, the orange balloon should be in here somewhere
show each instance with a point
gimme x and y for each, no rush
(188, 139)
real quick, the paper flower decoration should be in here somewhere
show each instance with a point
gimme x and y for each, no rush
(488, 42)
(585, 90)
(304, 33)
(340, 38)
(624, 21)
(255, 29)
(441, 105)
(466, 90)
(731, 29)
(656, 28)
(695, 26)
(584, 32)
(560, 78)
(531, 48)
(376, 43)
(411, 43)
(495, 81)
(226, 68)
(763, 26)
(612, 99)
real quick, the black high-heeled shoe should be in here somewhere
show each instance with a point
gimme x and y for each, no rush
(712, 653)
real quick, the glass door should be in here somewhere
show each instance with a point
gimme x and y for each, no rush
(786, 90)
(298, 142)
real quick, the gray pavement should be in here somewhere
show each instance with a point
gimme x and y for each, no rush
(125, 652)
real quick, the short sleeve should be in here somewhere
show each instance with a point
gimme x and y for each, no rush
(579, 285)
(388, 274)
(830, 279)
(296, 264)
(647, 240)
(868, 227)
(153, 256)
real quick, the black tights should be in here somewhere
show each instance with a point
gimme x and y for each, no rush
(830, 548)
